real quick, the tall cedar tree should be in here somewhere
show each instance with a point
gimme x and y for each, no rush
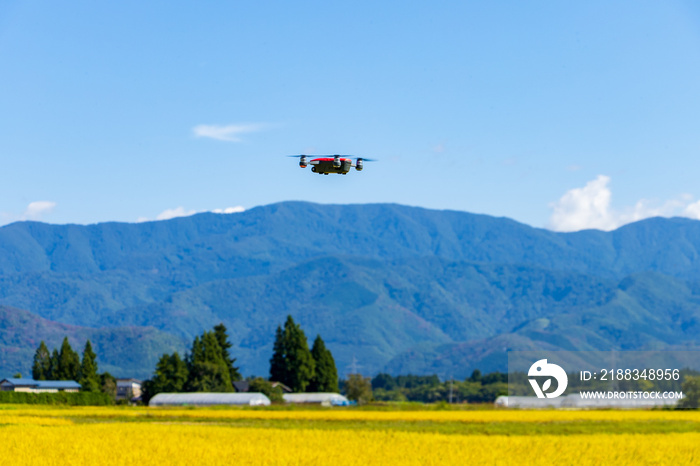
(89, 380)
(208, 371)
(41, 369)
(326, 376)
(291, 362)
(68, 365)
(53, 365)
(222, 338)
(278, 368)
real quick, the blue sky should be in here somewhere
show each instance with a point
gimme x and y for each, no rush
(564, 115)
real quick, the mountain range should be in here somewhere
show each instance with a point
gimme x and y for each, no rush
(388, 287)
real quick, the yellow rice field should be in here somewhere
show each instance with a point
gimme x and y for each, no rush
(501, 415)
(81, 436)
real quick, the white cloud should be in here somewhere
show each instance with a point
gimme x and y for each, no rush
(228, 133)
(180, 211)
(692, 210)
(167, 214)
(590, 208)
(229, 210)
(36, 209)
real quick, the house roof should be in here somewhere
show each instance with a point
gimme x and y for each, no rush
(60, 384)
(241, 386)
(20, 382)
(129, 381)
(45, 384)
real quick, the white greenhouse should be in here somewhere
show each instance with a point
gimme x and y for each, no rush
(326, 399)
(575, 401)
(209, 399)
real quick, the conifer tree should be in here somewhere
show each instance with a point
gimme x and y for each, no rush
(41, 368)
(291, 363)
(53, 366)
(326, 375)
(222, 339)
(208, 371)
(89, 380)
(68, 363)
(278, 367)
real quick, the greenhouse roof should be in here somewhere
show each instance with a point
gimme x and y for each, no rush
(209, 399)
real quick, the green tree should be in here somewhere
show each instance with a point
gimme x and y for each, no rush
(108, 384)
(691, 393)
(222, 338)
(68, 365)
(326, 375)
(383, 381)
(170, 377)
(53, 365)
(41, 368)
(358, 388)
(89, 380)
(208, 371)
(278, 366)
(476, 376)
(291, 362)
(263, 386)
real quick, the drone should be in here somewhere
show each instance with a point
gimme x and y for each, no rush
(325, 164)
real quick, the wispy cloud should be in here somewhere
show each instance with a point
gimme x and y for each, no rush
(35, 210)
(590, 208)
(229, 133)
(180, 211)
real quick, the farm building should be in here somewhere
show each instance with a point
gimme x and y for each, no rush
(326, 399)
(128, 389)
(209, 399)
(38, 386)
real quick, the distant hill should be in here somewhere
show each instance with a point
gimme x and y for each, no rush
(127, 350)
(393, 287)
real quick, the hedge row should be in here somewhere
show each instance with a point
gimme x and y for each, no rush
(60, 398)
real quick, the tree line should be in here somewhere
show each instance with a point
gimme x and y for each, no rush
(299, 368)
(476, 388)
(66, 364)
(210, 367)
